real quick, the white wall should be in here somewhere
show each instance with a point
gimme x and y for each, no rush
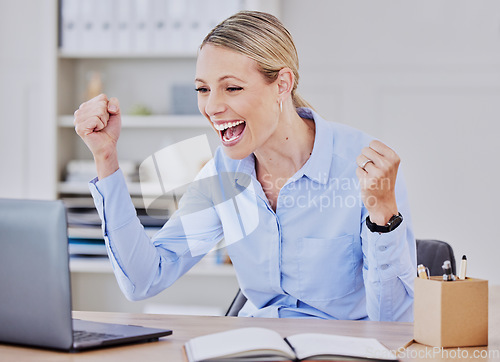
(425, 78)
(27, 118)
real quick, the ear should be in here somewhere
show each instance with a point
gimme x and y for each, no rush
(285, 82)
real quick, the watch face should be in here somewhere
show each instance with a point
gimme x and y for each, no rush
(394, 222)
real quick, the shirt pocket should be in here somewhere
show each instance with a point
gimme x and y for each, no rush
(327, 268)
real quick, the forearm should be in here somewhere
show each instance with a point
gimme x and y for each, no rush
(381, 214)
(106, 163)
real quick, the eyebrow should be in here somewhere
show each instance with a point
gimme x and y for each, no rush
(224, 77)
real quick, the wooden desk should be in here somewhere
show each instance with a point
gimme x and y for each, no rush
(169, 348)
(393, 335)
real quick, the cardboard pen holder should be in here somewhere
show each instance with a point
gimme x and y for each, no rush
(451, 313)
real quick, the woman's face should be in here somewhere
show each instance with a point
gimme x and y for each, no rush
(240, 104)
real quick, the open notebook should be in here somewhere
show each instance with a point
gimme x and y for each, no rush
(35, 293)
(262, 344)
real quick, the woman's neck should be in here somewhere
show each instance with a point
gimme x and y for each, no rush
(289, 147)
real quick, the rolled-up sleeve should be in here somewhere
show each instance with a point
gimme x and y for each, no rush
(389, 266)
(144, 266)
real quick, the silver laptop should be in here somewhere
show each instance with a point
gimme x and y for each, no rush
(35, 293)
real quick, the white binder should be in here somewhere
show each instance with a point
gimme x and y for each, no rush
(89, 27)
(159, 26)
(71, 25)
(141, 29)
(105, 21)
(177, 13)
(122, 37)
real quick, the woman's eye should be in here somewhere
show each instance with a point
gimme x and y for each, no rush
(234, 89)
(201, 90)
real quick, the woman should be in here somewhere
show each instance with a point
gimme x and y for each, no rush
(315, 220)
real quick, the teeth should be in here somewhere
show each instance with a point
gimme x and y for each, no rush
(223, 126)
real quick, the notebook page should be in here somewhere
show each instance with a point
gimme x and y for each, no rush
(317, 344)
(238, 342)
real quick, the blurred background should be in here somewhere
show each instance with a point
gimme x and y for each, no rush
(424, 77)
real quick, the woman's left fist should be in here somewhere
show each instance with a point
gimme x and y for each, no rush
(377, 171)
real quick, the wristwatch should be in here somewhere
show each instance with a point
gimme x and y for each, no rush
(391, 225)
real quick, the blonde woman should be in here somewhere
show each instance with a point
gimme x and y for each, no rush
(314, 216)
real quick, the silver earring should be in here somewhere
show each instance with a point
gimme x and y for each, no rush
(281, 106)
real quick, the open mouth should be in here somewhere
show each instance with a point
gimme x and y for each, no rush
(231, 132)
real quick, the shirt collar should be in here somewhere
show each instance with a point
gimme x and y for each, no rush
(245, 166)
(317, 167)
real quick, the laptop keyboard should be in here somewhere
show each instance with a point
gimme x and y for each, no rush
(85, 336)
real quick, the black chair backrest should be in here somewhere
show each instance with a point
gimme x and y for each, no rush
(433, 253)
(238, 303)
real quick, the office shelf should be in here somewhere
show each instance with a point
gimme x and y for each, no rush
(62, 54)
(153, 121)
(134, 188)
(103, 265)
(90, 265)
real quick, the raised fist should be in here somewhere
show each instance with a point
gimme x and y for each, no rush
(377, 172)
(98, 123)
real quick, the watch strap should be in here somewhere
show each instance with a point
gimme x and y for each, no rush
(392, 224)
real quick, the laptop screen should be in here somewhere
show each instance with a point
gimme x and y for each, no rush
(35, 295)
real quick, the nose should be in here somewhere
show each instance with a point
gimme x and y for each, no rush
(214, 104)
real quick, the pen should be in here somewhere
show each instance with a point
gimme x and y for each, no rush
(447, 275)
(463, 268)
(422, 271)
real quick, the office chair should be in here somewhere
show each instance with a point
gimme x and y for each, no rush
(237, 303)
(431, 253)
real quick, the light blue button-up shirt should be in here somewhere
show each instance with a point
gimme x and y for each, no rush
(313, 257)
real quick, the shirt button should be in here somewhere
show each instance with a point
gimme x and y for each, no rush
(384, 266)
(382, 248)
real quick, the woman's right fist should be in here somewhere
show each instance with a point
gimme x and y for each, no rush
(98, 123)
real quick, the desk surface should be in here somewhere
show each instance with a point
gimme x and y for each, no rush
(393, 335)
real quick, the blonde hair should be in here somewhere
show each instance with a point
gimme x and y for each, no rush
(263, 38)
